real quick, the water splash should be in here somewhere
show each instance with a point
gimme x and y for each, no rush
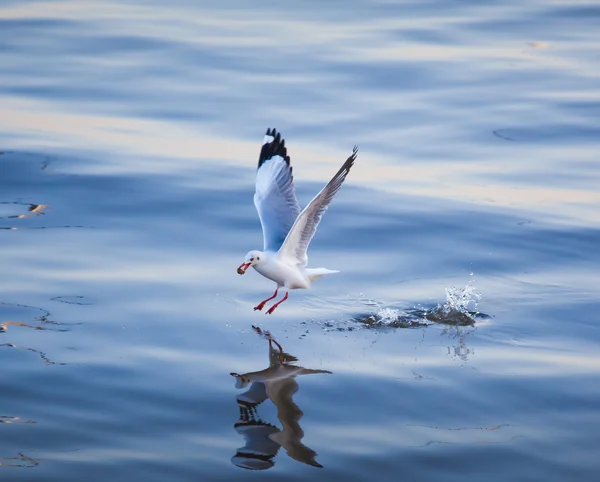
(464, 299)
(459, 309)
(388, 315)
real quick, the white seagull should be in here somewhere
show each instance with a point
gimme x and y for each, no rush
(287, 232)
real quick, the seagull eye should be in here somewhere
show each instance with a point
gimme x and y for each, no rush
(251, 259)
(257, 258)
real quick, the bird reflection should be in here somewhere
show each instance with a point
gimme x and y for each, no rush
(42, 322)
(32, 210)
(7, 419)
(35, 210)
(278, 383)
(4, 326)
(22, 461)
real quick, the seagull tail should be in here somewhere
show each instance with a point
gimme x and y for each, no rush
(317, 273)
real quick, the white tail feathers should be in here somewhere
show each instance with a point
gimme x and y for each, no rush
(316, 273)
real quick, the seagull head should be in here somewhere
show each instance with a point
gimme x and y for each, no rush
(253, 258)
(240, 380)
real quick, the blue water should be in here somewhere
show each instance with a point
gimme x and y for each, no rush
(129, 134)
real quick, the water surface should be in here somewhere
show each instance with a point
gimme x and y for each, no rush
(129, 134)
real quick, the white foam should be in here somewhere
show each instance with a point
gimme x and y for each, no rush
(462, 299)
(388, 315)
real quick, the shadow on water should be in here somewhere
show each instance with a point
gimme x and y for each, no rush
(278, 383)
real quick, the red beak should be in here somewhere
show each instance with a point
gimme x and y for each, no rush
(243, 267)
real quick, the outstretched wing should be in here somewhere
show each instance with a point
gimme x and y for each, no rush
(275, 197)
(296, 243)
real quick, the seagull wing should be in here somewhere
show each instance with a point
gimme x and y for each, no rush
(296, 243)
(275, 196)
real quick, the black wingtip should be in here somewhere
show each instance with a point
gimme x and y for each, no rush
(350, 161)
(273, 145)
(345, 169)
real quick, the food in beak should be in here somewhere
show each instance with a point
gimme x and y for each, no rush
(243, 267)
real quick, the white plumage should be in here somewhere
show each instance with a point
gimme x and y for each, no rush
(287, 231)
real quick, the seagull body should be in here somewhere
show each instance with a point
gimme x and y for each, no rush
(287, 231)
(284, 274)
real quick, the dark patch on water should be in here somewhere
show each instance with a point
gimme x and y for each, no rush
(396, 318)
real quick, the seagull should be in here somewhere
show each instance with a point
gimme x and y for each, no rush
(287, 232)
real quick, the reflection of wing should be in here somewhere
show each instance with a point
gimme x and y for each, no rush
(281, 393)
(296, 243)
(259, 450)
(275, 196)
(255, 395)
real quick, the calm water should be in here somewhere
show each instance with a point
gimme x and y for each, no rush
(130, 133)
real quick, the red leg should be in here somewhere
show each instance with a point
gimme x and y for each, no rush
(272, 309)
(268, 336)
(273, 340)
(261, 305)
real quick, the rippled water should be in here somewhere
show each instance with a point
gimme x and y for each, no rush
(129, 134)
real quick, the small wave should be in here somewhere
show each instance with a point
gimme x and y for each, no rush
(73, 300)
